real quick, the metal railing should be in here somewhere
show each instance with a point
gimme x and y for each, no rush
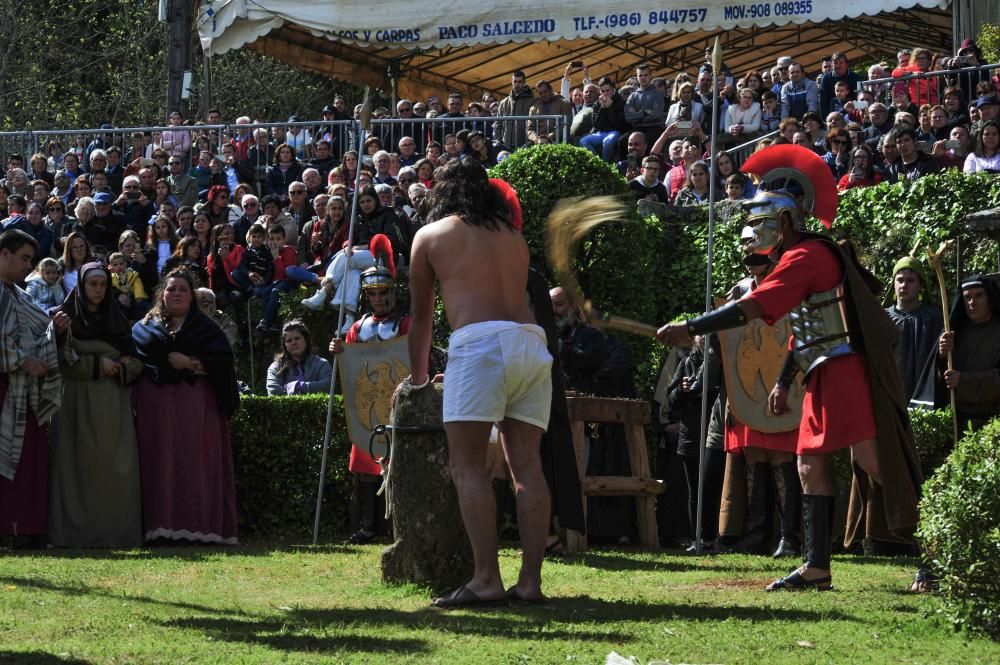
(740, 153)
(929, 87)
(142, 142)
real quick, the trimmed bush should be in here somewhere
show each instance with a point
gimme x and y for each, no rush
(620, 266)
(932, 437)
(277, 448)
(960, 529)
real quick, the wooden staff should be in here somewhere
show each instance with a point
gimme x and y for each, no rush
(935, 260)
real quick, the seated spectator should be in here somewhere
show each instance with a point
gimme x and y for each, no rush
(862, 172)
(283, 255)
(788, 127)
(270, 206)
(609, 122)
(695, 191)
(35, 227)
(130, 246)
(838, 152)
(481, 149)
(256, 271)
(725, 167)
(951, 154)
(128, 287)
(647, 186)
(161, 241)
(743, 119)
(686, 108)
(85, 223)
(548, 103)
(381, 161)
(677, 178)
(202, 172)
(188, 256)
(76, 252)
(814, 126)
(296, 370)
(45, 286)
(637, 149)
(736, 185)
(224, 257)
(770, 114)
(954, 105)
(912, 163)
(206, 303)
(986, 156)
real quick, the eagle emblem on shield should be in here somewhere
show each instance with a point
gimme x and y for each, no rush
(369, 373)
(752, 358)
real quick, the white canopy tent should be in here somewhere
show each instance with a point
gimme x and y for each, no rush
(473, 45)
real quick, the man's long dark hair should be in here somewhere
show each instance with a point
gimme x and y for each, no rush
(465, 191)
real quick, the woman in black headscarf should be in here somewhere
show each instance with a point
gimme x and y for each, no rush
(94, 498)
(183, 404)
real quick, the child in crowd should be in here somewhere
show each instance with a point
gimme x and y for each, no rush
(256, 269)
(283, 256)
(128, 287)
(842, 95)
(735, 187)
(770, 114)
(45, 287)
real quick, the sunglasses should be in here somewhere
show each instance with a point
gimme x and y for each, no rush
(249, 205)
(55, 209)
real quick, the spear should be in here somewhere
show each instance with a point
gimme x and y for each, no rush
(716, 68)
(363, 124)
(935, 260)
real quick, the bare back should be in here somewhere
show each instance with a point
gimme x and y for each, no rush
(483, 274)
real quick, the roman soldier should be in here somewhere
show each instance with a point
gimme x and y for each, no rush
(381, 323)
(843, 347)
(755, 438)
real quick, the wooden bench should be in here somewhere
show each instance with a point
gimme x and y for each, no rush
(634, 415)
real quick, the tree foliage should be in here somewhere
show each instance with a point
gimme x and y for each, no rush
(80, 64)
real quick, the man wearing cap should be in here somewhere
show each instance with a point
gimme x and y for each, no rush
(987, 107)
(974, 341)
(113, 221)
(918, 322)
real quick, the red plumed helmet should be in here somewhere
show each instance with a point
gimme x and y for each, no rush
(804, 167)
(510, 197)
(383, 274)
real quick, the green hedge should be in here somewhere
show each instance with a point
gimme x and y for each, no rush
(960, 529)
(932, 438)
(620, 266)
(277, 448)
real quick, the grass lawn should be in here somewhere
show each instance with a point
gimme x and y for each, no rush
(260, 604)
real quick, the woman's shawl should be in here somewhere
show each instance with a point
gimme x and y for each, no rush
(199, 337)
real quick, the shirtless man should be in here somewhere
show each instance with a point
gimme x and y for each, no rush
(498, 369)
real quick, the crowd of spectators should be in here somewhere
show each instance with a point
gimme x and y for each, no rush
(265, 211)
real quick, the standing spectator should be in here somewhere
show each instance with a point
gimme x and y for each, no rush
(299, 138)
(115, 170)
(35, 227)
(284, 172)
(547, 103)
(95, 499)
(921, 90)
(686, 108)
(296, 370)
(919, 323)
(30, 394)
(644, 108)
(840, 74)
(177, 142)
(799, 96)
(986, 156)
(188, 488)
(323, 160)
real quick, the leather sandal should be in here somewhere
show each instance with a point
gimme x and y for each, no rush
(795, 582)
